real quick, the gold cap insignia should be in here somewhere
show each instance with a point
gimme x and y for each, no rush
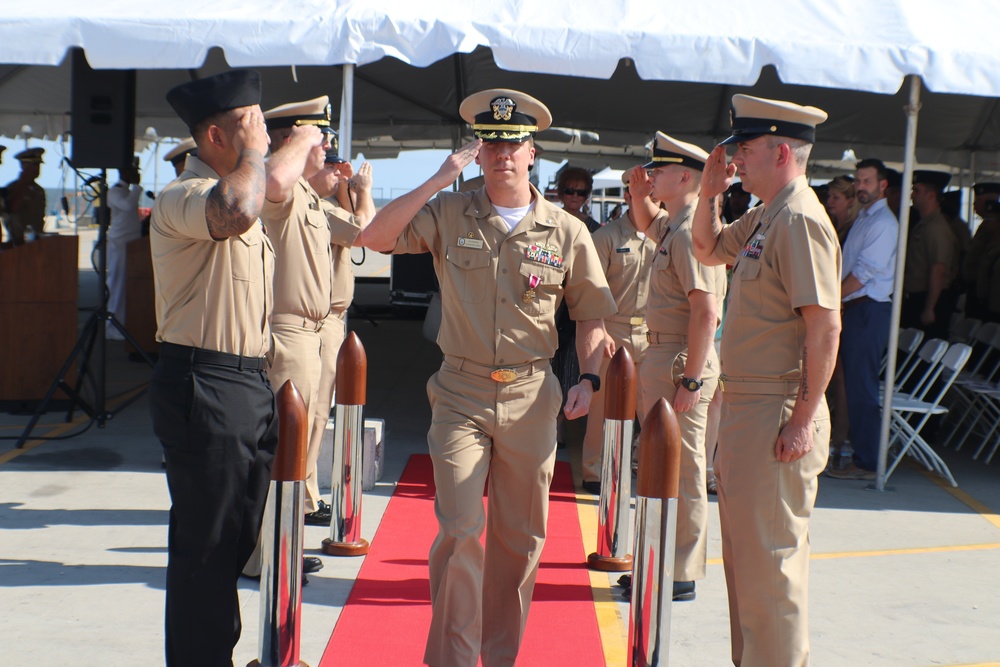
(503, 108)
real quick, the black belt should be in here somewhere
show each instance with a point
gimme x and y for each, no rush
(197, 355)
(860, 299)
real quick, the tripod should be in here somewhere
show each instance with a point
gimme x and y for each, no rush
(91, 339)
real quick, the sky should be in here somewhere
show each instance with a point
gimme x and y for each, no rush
(392, 177)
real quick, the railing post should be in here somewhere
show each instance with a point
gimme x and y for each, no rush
(616, 470)
(348, 440)
(655, 537)
(281, 548)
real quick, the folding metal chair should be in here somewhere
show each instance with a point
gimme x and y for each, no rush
(907, 435)
(928, 357)
(968, 400)
(963, 330)
(907, 343)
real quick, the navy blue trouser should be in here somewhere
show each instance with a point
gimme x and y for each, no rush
(863, 337)
(219, 430)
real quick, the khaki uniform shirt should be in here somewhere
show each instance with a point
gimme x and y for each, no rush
(675, 273)
(626, 256)
(302, 233)
(344, 228)
(26, 204)
(791, 260)
(210, 294)
(500, 290)
(932, 242)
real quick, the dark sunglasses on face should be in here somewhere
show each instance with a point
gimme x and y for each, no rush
(579, 192)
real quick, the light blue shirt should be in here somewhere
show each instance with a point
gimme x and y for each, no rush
(870, 252)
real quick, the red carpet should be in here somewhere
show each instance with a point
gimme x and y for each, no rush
(388, 612)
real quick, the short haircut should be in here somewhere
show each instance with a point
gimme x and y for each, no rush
(876, 164)
(800, 148)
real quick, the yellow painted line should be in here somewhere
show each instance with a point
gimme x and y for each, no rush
(59, 429)
(31, 444)
(613, 628)
(978, 507)
(894, 552)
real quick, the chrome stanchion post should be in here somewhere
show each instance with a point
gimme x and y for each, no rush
(655, 537)
(281, 544)
(616, 476)
(348, 439)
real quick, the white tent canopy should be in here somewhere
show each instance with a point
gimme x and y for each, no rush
(612, 71)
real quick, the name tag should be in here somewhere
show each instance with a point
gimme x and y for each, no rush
(623, 250)
(471, 243)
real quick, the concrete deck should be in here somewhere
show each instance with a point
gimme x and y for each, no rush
(904, 578)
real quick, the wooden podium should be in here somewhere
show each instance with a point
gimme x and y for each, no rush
(38, 315)
(140, 297)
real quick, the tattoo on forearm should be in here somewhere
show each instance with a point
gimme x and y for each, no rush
(238, 198)
(805, 374)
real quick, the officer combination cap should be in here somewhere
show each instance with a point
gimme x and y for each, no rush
(333, 157)
(30, 155)
(667, 150)
(311, 112)
(986, 189)
(501, 114)
(194, 101)
(935, 179)
(181, 150)
(754, 117)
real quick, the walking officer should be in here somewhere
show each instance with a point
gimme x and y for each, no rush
(685, 304)
(212, 405)
(779, 347)
(505, 258)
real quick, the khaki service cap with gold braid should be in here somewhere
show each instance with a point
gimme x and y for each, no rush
(501, 114)
(754, 117)
(667, 150)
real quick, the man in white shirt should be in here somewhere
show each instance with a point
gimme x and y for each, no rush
(123, 200)
(866, 289)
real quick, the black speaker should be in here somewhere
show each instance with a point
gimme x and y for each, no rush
(103, 115)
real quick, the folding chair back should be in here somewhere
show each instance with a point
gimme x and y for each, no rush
(964, 330)
(929, 356)
(907, 344)
(982, 346)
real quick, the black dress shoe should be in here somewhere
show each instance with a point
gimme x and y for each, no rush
(683, 591)
(592, 487)
(625, 581)
(321, 517)
(311, 564)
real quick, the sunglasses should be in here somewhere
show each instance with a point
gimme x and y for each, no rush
(579, 192)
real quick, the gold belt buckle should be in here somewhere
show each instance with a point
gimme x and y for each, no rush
(504, 375)
(636, 321)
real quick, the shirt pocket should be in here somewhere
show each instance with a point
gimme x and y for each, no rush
(546, 292)
(746, 286)
(317, 232)
(247, 253)
(468, 272)
(622, 264)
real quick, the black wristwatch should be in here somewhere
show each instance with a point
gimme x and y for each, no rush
(595, 380)
(691, 384)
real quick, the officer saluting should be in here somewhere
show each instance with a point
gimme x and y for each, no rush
(212, 405)
(779, 346)
(504, 258)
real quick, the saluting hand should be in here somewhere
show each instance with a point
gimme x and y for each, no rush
(251, 131)
(457, 161)
(718, 174)
(307, 135)
(794, 442)
(362, 181)
(640, 185)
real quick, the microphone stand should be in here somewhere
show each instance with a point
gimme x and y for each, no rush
(92, 337)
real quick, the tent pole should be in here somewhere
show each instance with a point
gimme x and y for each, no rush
(347, 113)
(912, 111)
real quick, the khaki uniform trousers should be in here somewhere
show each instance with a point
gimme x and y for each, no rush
(295, 355)
(764, 506)
(331, 337)
(631, 338)
(661, 370)
(506, 433)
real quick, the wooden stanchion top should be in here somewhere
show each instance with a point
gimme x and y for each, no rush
(293, 436)
(659, 453)
(352, 372)
(619, 402)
